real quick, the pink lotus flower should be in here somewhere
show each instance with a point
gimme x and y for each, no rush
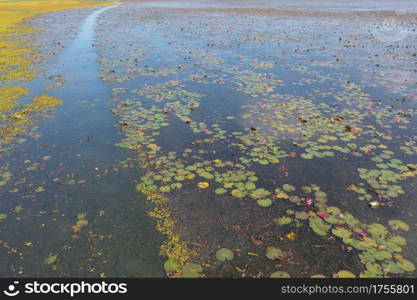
(322, 216)
(369, 150)
(309, 201)
(364, 234)
(205, 130)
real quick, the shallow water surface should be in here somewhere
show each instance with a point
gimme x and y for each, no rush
(191, 127)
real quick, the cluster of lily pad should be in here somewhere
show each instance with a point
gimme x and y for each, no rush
(338, 122)
(379, 248)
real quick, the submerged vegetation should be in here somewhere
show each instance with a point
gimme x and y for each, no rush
(263, 151)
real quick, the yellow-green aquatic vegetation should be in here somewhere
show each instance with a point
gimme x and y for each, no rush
(16, 55)
(16, 63)
(16, 118)
(173, 247)
(41, 103)
(8, 97)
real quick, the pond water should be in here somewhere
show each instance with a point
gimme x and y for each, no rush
(219, 140)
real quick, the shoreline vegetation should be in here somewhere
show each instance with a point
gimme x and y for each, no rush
(17, 63)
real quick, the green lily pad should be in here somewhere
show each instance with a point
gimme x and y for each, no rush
(288, 188)
(301, 215)
(171, 265)
(406, 265)
(383, 255)
(318, 226)
(165, 188)
(50, 259)
(283, 220)
(391, 267)
(224, 254)
(333, 210)
(341, 232)
(191, 270)
(398, 224)
(220, 191)
(280, 274)
(3, 217)
(398, 240)
(374, 268)
(238, 193)
(377, 230)
(259, 193)
(264, 202)
(250, 186)
(345, 274)
(274, 253)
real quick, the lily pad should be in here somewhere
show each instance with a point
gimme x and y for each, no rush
(283, 220)
(288, 188)
(203, 185)
(345, 274)
(398, 224)
(238, 193)
(318, 226)
(280, 274)
(274, 253)
(220, 191)
(406, 265)
(341, 232)
(50, 259)
(317, 276)
(191, 270)
(171, 265)
(264, 202)
(260, 193)
(224, 254)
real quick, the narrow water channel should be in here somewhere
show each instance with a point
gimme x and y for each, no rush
(73, 171)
